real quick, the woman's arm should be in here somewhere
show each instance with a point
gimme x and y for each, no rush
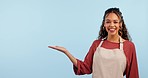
(80, 67)
(66, 52)
(132, 66)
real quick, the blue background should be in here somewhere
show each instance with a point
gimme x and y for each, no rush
(27, 27)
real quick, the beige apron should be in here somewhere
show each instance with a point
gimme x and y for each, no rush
(109, 63)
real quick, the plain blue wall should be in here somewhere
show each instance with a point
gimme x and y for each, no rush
(27, 27)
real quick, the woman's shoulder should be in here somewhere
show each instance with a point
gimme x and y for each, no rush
(127, 42)
(96, 42)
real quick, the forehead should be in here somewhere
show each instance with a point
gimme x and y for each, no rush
(112, 16)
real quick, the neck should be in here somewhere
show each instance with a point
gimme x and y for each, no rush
(114, 38)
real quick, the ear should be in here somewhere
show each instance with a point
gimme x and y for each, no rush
(104, 26)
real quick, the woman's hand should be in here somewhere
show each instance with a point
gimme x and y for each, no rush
(59, 48)
(62, 49)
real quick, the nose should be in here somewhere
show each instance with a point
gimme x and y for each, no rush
(112, 24)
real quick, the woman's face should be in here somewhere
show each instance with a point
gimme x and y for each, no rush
(112, 24)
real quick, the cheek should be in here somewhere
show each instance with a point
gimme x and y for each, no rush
(106, 25)
(106, 28)
(118, 27)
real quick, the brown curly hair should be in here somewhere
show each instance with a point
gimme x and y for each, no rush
(122, 31)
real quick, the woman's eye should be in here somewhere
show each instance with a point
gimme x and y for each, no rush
(115, 22)
(107, 22)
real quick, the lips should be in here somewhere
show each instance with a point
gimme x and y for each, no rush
(112, 29)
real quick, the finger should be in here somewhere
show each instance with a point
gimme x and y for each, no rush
(52, 47)
(57, 46)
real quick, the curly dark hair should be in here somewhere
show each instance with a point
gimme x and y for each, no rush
(122, 31)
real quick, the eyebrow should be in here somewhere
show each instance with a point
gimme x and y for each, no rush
(113, 20)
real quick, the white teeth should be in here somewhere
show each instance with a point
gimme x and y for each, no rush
(112, 29)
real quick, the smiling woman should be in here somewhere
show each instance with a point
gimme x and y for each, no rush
(113, 20)
(113, 55)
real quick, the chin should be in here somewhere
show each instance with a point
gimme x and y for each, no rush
(112, 34)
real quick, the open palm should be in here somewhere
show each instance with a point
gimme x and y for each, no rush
(59, 48)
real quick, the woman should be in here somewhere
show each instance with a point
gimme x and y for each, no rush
(112, 55)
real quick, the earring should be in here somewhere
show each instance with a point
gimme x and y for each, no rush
(103, 28)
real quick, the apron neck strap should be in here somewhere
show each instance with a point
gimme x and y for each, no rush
(120, 39)
(121, 43)
(102, 41)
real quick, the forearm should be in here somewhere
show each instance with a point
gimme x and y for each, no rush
(71, 57)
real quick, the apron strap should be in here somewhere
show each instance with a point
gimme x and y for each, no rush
(121, 44)
(101, 41)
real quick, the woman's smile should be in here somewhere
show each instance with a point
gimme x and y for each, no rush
(112, 29)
